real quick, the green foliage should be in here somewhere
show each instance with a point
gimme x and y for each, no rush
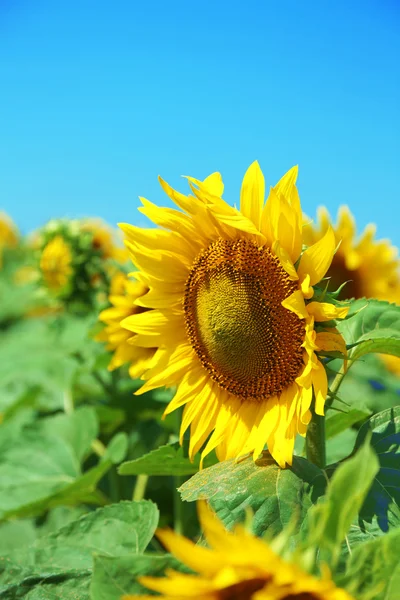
(330, 520)
(372, 326)
(170, 459)
(374, 567)
(114, 576)
(339, 422)
(384, 430)
(67, 423)
(60, 565)
(276, 497)
(42, 468)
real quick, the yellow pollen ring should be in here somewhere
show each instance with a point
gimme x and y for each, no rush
(247, 341)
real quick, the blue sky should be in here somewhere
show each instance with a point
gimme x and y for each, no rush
(98, 98)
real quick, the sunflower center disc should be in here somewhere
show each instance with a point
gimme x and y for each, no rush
(248, 342)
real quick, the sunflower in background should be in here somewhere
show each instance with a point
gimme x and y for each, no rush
(105, 239)
(56, 264)
(124, 292)
(77, 260)
(371, 267)
(233, 319)
(9, 236)
(236, 566)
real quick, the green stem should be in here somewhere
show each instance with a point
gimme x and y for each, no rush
(140, 488)
(334, 388)
(98, 448)
(315, 441)
(179, 525)
(68, 402)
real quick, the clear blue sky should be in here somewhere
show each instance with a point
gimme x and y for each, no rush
(98, 98)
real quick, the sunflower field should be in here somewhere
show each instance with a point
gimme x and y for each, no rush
(206, 408)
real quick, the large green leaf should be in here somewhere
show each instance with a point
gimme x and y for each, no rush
(385, 430)
(275, 496)
(170, 459)
(330, 520)
(54, 562)
(373, 326)
(78, 429)
(41, 468)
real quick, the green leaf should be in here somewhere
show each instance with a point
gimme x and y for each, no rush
(40, 471)
(51, 566)
(385, 440)
(15, 535)
(374, 567)
(113, 577)
(78, 429)
(117, 448)
(368, 385)
(68, 586)
(276, 496)
(374, 326)
(170, 459)
(339, 422)
(341, 446)
(330, 520)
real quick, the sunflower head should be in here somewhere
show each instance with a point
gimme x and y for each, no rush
(124, 292)
(55, 264)
(232, 314)
(235, 566)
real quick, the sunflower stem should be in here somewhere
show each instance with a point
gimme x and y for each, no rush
(334, 388)
(179, 516)
(140, 487)
(315, 441)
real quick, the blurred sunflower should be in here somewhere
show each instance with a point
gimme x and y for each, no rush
(237, 566)
(123, 294)
(55, 263)
(8, 234)
(105, 240)
(229, 315)
(371, 267)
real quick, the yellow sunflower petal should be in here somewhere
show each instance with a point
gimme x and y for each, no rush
(324, 311)
(198, 558)
(215, 184)
(295, 303)
(320, 385)
(285, 260)
(252, 194)
(316, 260)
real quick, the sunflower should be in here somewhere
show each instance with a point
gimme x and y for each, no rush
(105, 240)
(371, 267)
(55, 263)
(124, 293)
(8, 234)
(237, 566)
(228, 314)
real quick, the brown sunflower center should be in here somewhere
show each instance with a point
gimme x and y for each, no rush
(248, 342)
(243, 590)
